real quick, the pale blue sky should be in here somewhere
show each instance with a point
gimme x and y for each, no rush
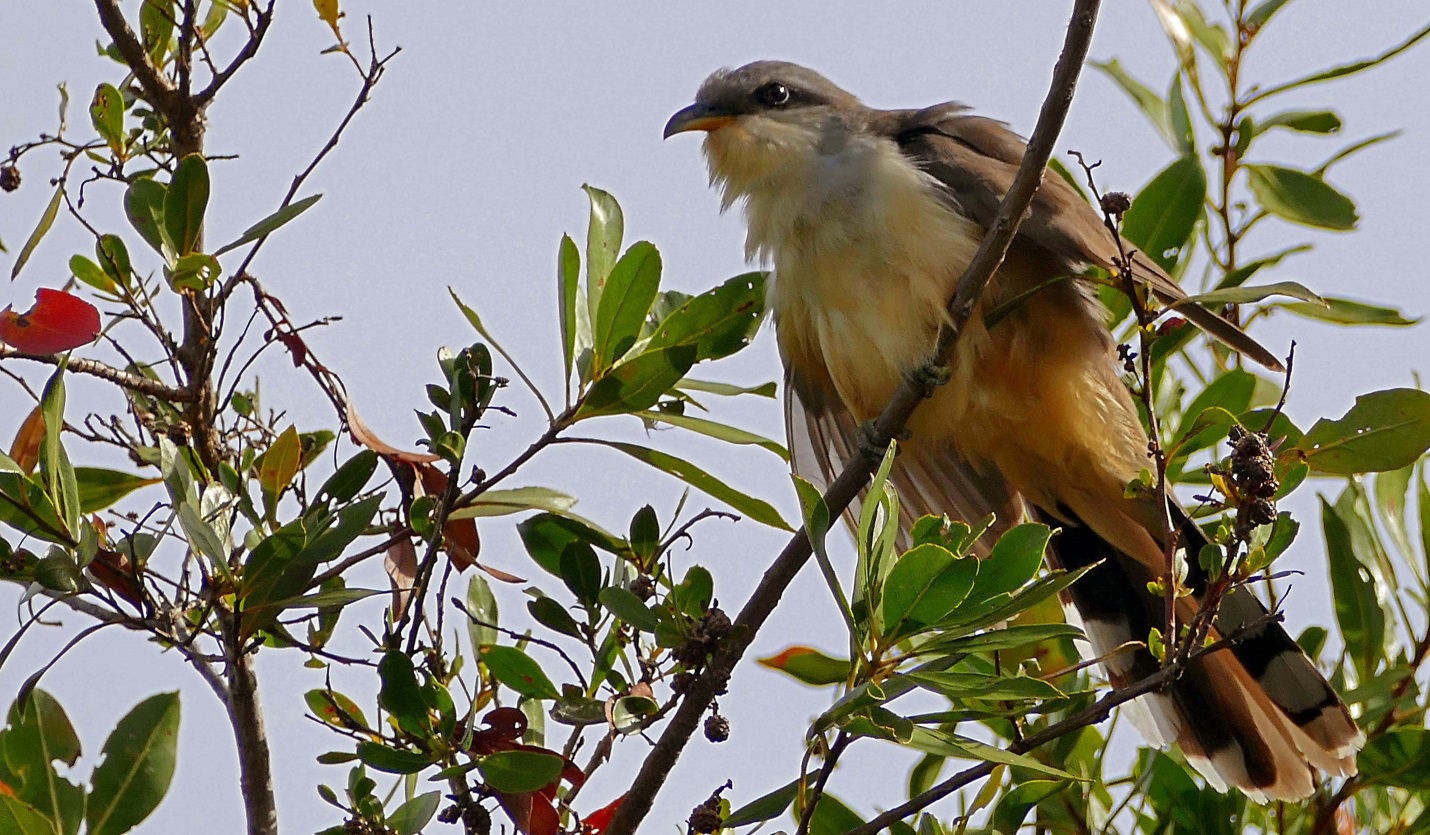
(464, 171)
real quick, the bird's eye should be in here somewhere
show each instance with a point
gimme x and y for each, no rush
(773, 94)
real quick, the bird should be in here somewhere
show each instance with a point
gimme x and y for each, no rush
(867, 219)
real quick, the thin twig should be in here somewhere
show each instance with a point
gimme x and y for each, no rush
(94, 368)
(889, 425)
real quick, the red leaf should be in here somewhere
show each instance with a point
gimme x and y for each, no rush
(365, 436)
(57, 322)
(113, 571)
(596, 822)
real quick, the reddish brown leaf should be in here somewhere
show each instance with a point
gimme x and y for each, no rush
(25, 450)
(57, 322)
(365, 436)
(401, 564)
(113, 571)
(460, 535)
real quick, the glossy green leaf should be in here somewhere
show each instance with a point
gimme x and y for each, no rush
(88, 272)
(21, 818)
(113, 257)
(270, 224)
(1164, 214)
(100, 488)
(519, 671)
(581, 571)
(1353, 592)
(546, 536)
(754, 508)
(1348, 312)
(185, 203)
(137, 768)
(106, 114)
(1151, 105)
(720, 431)
(629, 608)
(1015, 804)
(411, 818)
(925, 584)
(603, 244)
(768, 806)
(1384, 430)
(645, 534)
(629, 292)
(144, 206)
(1305, 121)
(1301, 197)
(638, 383)
(482, 604)
(1016, 558)
(568, 280)
(692, 595)
(975, 686)
(516, 500)
(34, 740)
(1009, 637)
(516, 772)
(808, 665)
(1400, 758)
(401, 694)
(718, 322)
(350, 478)
(47, 219)
(1248, 293)
(392, 760)
(196, 271)
(553, 615)
(832, 816)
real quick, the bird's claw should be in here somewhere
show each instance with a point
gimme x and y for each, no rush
(929, 376)
(866, 435)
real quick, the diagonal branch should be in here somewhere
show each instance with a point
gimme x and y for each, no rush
(155, 85)
(94, 368)
(662, 758)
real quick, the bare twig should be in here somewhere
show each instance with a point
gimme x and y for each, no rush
(94, 368)
(662, 758)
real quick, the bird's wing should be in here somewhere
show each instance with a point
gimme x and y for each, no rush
(975, 159)
(931, 480)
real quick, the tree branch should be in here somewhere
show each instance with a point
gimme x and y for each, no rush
(662, 758)
(156, 86)
(94, 368)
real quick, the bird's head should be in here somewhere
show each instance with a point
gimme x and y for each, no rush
(765, 120)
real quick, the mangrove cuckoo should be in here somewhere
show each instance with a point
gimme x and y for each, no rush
(868, 218)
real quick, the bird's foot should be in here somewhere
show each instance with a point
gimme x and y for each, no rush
(866, 435)
(929, 376)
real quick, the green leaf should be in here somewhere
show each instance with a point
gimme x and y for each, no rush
(768, 806)
(815, 514)
(411, 817)
(35, 739)
(156, 26)
(1305, 121)
(517, 772)
(727, 389)
(629, 608)
(1016, 558)
(1015, 804)
(1384, 430)
(1301, 197)
(482, 605)
(924, 585)
(718, 322)
(1399, 758)
(1179, 120)
(195, 271)
(1009, 637)
(629, 713)
(270, 224)
(553, 615)
(20, 818)
(351, 477)
(1151, 105)
(1348, 312)
(568, 279)
(137, 767)
(625, 301)
(1262, 12)
(832, 817)
(519, 671)
(100, 488)
(720, 431)
(693, 594)
(1247, 294)
(47, 219)
(1164, 213)
(1391, 488)
(756, 509)
(185, 203)
(90, 273)
(976, 686)
(581, 572)
(516, 500)
(1353, 149)
(113, 258)
(645, 534)
(637, 383)
(392, 760)
(546, 536)
(1353, 592)
(335, 709)
(809, 666)
(1343, 69)
(401, 695)
(60, 481)
(144, 206)
(106, 114)
(603, 244)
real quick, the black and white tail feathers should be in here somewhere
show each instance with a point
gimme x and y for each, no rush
(1257, 717)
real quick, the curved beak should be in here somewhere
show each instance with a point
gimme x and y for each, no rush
(697, 117)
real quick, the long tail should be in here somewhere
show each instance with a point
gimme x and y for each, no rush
(1258, 717)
